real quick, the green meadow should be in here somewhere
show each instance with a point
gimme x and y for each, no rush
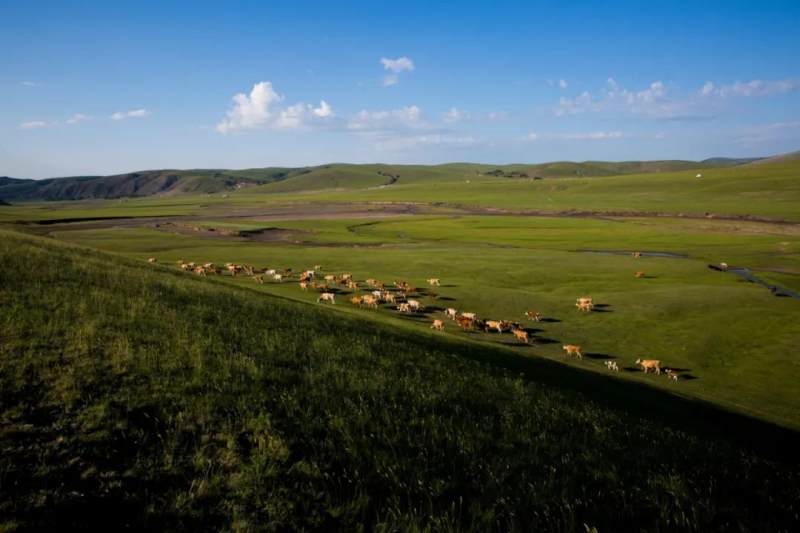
(219, 403)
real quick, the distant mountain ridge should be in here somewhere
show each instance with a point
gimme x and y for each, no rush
(338, 175)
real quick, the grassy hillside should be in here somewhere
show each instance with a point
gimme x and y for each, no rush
(334, 176)
(138, 184)
(136, 396)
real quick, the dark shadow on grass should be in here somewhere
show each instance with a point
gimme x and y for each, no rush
(549, 320)
(544, 340)
(639, 399)
(598, 356)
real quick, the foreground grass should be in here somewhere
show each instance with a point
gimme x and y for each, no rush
(140, 397)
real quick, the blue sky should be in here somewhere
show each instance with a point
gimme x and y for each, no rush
(106, 87)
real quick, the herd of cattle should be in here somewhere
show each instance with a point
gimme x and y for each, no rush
(400, 297)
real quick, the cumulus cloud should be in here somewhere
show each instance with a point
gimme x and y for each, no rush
(455, 115)
(261, 109)
(134, 113)
(36, 124)
(78, 118)
(562, 84)
(395, 67)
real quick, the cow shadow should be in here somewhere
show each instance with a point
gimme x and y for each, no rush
(545, 340)
(446, 299)
(595, 355)
(549, 320)
(602, 308)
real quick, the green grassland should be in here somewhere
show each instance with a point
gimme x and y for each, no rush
(135, 396)
(735, 340)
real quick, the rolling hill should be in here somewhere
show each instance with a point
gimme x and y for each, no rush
(332, 176)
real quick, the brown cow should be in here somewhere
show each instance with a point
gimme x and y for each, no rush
(521, 335)
(637, 255)
(356, 300)
(151, 260)
(647, 364)
(533, 315)
(433, 282)
(438, 325)
(466, 323)
(573, 349)
(639, 274)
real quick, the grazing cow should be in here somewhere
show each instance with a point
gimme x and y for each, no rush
(438, 325)
(208, 265)
(200, 271)
(451, 313)
(304, 285)
(533, 315)
(270, 272)
(317, 267)
(471, 316)
(346, 276)
(637, 255)
(326, 297)
(612, 365)
(723, 266)
(356, 300)
(370, 301)
(379, 285)
(493, 324)
(377, 294)
(521, 335)
(186, 266)
(259, 279)
(305, 277)
(371, 282)
(389, 297)
(352, 285)
(278, 277)
(151, 260)
(639, 274)
(249, 270)
(433, 282)
(233, 269)
(647, 364)
(330, 278)
(414, 305)
(671, 374)
(572, 349)
(466, 323)
(404, 308)
(584, 304)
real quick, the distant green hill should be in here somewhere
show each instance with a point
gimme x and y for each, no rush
(332, 176)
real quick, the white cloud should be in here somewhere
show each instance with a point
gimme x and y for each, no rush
(562, 84)
(587, 136)
(495, 116)
(134, 113)
(751, 88)
(36, 124)
(78, 118)
(259, 110)
(404, 118)
(408, 142)
(455, 115)
(654, 101)
(29, 83)
(324, 110)
(397, 65)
